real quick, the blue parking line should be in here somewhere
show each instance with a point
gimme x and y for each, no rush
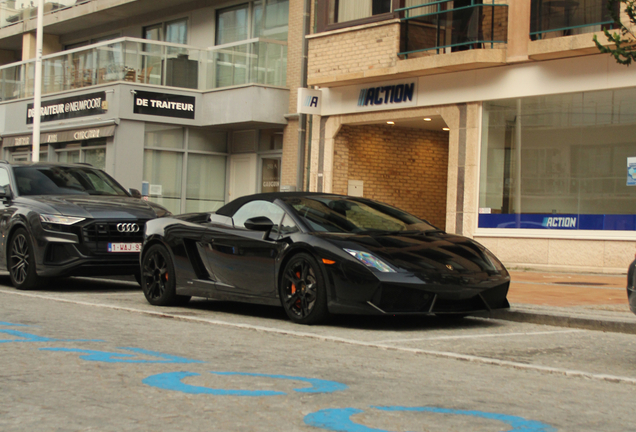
(172, 381)
(339, 419)
(28, 337)
(112, 357)
(317, 385)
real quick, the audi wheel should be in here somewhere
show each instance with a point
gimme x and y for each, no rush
(158, 278)
(21, 261)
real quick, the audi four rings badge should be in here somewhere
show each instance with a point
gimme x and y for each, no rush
(128, 227)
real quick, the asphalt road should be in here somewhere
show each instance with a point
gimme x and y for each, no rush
(94, 356)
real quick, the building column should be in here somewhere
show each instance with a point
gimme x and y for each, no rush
(50, 44)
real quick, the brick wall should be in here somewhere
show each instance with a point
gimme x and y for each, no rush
(294, 55)
(406, 168)
(354, 50)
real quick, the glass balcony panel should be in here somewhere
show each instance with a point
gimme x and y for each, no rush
(15, 11)
(155, 63)
(453, 27)
(557, 18)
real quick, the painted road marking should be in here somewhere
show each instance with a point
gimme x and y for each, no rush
(174, 381)
(440, 354)
(339, 419)
(28, 337)
(477, 336)
(111, 357)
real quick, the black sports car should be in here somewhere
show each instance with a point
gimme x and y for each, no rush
(68, 220)
(631, 286)
(317, 254)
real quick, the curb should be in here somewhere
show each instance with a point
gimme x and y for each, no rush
(563, 320)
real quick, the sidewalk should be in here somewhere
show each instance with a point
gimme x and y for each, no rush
(590, 301)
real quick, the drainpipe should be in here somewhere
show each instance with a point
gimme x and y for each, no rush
(302, 118)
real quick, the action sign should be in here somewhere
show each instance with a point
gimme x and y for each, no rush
(309, 101)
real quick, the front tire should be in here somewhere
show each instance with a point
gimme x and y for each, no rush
(21, 261)
(158, 278)
(303, 290)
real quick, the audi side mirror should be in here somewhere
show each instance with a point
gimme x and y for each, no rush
(5, 193)
(135, 193)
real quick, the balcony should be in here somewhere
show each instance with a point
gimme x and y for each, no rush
(16, 11)
(563, 28)
(557, 18)
(254, 61)
(450, 26)
(430, 38)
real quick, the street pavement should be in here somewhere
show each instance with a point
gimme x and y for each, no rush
(589, 301)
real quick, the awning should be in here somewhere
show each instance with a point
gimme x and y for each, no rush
(61, 136)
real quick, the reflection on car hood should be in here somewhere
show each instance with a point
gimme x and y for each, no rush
(421, 254)
(98, 206)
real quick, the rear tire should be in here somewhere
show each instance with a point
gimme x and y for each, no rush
(158, 278)
(21, 261)
(303, 290)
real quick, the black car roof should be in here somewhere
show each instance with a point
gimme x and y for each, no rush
(230, 208)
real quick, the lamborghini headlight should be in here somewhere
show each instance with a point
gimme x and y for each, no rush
(370, 261)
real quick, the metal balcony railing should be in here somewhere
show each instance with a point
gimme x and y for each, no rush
(556, 18)
(452, 25)
(15, 11)
(253, 61)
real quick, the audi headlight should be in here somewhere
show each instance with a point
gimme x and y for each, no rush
(370, 261)
(60, 219)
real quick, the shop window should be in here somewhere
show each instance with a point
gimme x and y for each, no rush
(333, 14)
(91, 151)
(164, 136)
(196, 158)
(560, 162)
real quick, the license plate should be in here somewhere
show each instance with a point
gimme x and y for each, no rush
(124, 247)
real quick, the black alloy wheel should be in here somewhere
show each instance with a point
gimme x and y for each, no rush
(158, 278)
(303, 291)
(21, 261)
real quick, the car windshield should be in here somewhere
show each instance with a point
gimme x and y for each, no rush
(355, 215)
(65, 180)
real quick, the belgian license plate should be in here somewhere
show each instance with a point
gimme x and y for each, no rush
(124, 247)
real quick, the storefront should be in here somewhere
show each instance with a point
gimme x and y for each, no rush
(542, 171)
(177, 147)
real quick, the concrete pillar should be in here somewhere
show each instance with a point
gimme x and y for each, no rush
(518, 30)
(50, 44)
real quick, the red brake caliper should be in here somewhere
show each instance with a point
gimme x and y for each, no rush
(293, 291)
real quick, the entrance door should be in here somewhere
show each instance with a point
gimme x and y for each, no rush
(242, 175)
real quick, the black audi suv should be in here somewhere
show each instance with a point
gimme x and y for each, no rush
(68, 220)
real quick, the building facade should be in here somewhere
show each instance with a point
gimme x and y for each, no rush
(193, 103)
(496, 120)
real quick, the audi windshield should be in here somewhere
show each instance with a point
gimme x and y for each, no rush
(353, 215)
(65, 180)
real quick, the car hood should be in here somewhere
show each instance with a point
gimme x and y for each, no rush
(98, 207)
(424, 254)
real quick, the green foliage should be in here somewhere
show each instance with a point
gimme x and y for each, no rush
(623, 41)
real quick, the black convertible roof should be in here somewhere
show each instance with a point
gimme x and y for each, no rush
(230, 208)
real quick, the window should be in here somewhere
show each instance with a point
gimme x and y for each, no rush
(90, 151)
(4, 179)
(332, 14)
(559, 162)
(258, 208)
(264, 18)
(174, 32)
(185, 167)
